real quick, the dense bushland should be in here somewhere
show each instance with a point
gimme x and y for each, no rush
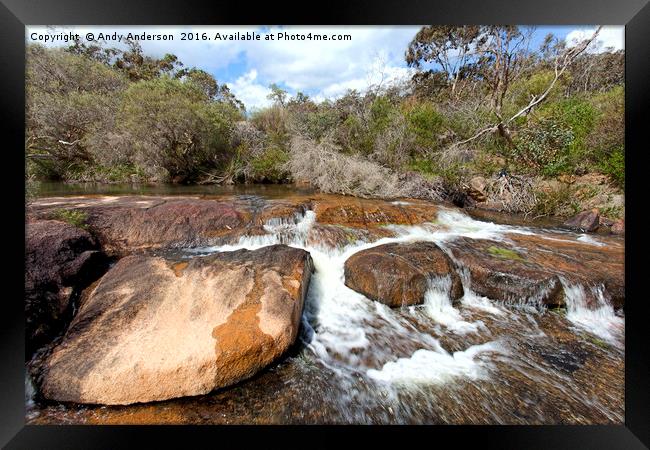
(482, 103)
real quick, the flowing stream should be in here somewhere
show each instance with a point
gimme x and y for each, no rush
(359, 361)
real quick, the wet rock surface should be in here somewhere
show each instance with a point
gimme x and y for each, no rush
(538, 268)
(371, 213)
(153, 329)
(400, 274)
(487, 358)
(299, 390)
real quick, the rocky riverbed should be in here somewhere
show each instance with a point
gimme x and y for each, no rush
(313, 308)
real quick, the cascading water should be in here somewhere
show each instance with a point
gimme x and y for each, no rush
(417, 364)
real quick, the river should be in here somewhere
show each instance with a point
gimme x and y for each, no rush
(359, 361)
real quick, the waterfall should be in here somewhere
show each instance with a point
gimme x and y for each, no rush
(596, 316)
(344, 326)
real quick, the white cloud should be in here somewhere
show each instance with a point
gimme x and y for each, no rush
(609, 37)
(322, 68)
(249, 91)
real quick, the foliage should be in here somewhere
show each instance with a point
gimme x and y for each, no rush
(426, 123)
(67, 98)
(269, 166)
(74, 217)
(175, 127)
(544, 146)
(96, 113)
(559, 202)
(614, 166)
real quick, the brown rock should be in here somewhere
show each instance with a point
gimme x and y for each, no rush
(153, 329)
(530, 267)
(129, 224)
(618, 227)
(500, 272)
(372, 213)
(495, 205)
(584, 221)
(476, 189)
(568, 179)
(176, 223)
(398, 274)
(550, 186)
(605, 222)
(335, 236)
(592, 179)
(60, 260)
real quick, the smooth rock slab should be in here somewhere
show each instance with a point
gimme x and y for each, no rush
(154, 329)
(398, 274)
(529, 268)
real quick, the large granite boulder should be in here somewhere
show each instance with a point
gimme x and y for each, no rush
(154, 329)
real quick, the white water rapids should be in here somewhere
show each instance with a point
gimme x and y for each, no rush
(354, 336)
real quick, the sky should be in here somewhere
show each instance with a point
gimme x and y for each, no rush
(320, 69)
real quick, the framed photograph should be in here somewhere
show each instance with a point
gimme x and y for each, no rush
(267, 222)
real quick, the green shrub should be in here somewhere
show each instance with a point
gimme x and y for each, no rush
(561, 202)
(320, 122)
(430, 169)
(381, 111)
(270, 166)
(614, 166)
(579, 116)
(606, 140)
(72, 216)
(544, 146)
(426, 123)
(174, 126)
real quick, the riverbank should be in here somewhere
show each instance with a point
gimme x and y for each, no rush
(568, 197)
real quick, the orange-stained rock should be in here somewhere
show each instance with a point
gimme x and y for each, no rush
(129, 224)
(174, 223)
(371, 213)
(154, 329)
(398, 274)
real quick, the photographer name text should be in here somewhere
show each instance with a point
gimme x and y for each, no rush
(54, 38)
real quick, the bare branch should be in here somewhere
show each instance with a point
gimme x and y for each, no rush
(567, 59)
(561, 64)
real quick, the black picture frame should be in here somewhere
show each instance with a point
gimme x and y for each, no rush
(15, 14)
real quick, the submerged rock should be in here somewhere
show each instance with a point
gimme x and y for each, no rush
(399, 274)
(60, 259)
(152, 329)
